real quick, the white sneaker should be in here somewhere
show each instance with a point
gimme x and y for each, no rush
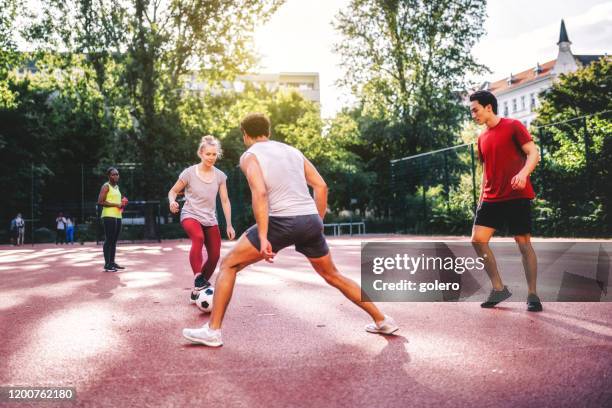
(204, 335)
(387, 326)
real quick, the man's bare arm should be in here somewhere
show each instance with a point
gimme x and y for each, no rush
(259, 195)
(319, 187)
(519, 181)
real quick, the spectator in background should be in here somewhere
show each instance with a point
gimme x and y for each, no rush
(69, 230)
(17, 230)
(112, 204)
(60, 229)
(13, 232)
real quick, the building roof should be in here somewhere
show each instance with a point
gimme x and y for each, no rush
(529, 75)
(522, 78)
(539, 71)
(563, 34)
(587, 59)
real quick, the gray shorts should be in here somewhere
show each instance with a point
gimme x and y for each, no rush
(303, 231)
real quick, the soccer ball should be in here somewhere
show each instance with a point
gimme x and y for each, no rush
(204, 300)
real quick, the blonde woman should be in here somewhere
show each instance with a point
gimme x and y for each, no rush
(201, 183)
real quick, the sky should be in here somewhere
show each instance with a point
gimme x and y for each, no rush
(299, 38)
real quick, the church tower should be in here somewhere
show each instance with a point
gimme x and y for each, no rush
(565, 59)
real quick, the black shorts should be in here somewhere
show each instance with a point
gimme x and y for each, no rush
(303, 231)
(515, 215)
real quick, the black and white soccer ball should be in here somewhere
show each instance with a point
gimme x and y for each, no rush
(204, 300)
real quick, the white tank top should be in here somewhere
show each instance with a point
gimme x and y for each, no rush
(283, 172)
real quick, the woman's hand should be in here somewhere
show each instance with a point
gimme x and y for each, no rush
(231, 234)
(174, 207)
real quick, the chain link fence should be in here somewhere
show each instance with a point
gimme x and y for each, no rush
(431, 193)
(437, 192)
(73, 189)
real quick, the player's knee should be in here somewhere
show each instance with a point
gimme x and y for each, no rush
(229, 266)
(522, 239)
(478, 243)
(524, 244)
(479, 239)
(224, 264)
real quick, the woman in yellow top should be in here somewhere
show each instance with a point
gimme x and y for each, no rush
(112, 203)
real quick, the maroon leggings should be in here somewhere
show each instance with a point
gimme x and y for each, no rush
(203, 236)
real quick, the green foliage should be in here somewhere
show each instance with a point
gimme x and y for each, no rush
(406, 61)
(137, 53)
(572, 182)
(573, 179)
(296, 121)
(9, 57)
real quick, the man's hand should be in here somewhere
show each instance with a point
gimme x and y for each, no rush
(174, 207)
(265, 249)
(519, 181)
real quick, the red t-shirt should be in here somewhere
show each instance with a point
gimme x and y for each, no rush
(500, 151)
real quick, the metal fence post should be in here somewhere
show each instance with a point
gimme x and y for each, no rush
(82, 194)
(446, 182)
(587, 154)
(475, 204)
(424, 203)
(32, 205)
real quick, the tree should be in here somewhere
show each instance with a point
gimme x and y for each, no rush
(141, 51)
(575, 135)
(406, 60)
(9, 57)
(296, 121)
(53, 127)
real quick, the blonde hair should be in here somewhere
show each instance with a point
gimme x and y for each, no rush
(209, 140)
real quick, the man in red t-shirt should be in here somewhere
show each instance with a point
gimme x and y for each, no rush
(509, 156)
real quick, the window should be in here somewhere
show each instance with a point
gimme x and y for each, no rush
(523, 102)
(533, 101)
(514, 105)
(505, 108)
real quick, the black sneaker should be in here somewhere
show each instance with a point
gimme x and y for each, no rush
(533, 303)
(109, 268)
(114, 265)
(200, 283)
(495, 297)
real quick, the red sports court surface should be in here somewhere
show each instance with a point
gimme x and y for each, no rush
(290, 341)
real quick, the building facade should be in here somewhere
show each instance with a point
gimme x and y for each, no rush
(305, 83)
(517, 95)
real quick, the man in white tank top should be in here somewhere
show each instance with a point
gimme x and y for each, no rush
(285, 214)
